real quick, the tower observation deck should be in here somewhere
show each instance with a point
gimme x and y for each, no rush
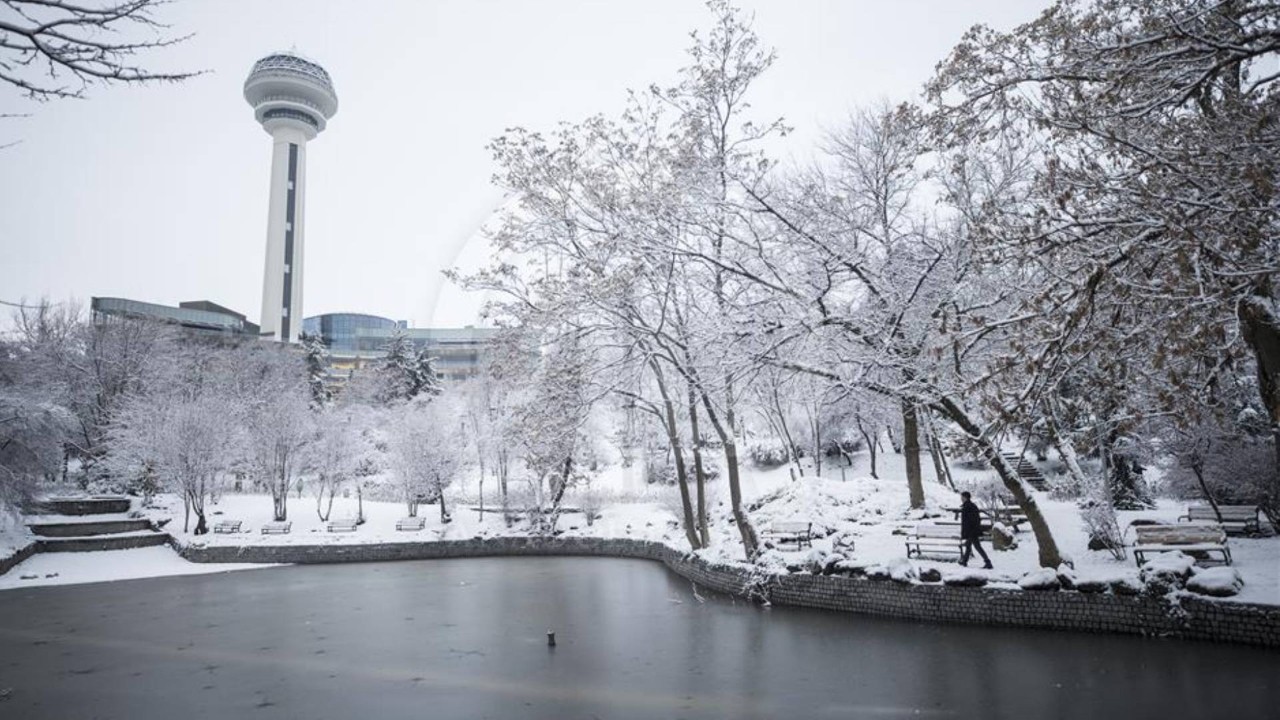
(293, 98)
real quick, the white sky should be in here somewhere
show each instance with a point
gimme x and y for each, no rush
(160, 193)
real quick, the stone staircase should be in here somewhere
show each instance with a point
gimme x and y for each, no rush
(89, 524)
(1029, 473)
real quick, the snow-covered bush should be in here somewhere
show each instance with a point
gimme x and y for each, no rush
(768, 455)
(1166, 572)
(1100, 522)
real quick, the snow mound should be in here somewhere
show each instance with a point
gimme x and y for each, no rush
(964, 578)
(1067, 577)
(877, 572)
(1217, 582)
(772, 561)
(1167, 571)
(836, 507)
(1042, 579)
(904, 571)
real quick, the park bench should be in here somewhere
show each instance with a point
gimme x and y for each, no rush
(1236, 519)
(342, 525)
(1190, 538)
(934, 538)
(277, 527)
(227, 526)
(796, 531)
(1006, 514)
(411, 523)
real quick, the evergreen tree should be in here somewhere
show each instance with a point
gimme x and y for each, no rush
(400, 371)
(317, 354)
(425, 381)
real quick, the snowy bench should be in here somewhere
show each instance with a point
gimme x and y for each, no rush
(796, 531)
(227, 526)
(411, 523)
(342, 525)
(1239, 519)
(1188, 538)
(935, 538)
(280, 527)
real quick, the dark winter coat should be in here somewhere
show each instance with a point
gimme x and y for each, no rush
(970, 521)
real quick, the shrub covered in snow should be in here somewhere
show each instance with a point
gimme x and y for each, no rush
(1166, 571)
(1099, 518)
(768, 455)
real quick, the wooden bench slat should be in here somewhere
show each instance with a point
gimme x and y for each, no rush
(797, 531)
(1188, 537)
(411, 523)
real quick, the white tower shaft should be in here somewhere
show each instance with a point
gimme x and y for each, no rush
(282, 278)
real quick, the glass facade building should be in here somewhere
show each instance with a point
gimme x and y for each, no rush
(340, 331)
(200, 315)
(354, 339)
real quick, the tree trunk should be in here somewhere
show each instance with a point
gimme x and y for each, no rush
(940, 468)
(359, 504)
(750, 543)
(1066, 451)
(785, 431)
(911, 453)
(1046, 545)
(1260, 327)
(700, 474)
(324, 514)
(1197, 467)
(444, 513)
(893, 441)
(673, 439)
(871, 447)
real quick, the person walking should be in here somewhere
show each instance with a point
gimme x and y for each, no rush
(971, 531)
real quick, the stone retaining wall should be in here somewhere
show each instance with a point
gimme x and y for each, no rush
(104, 527)
(101, 542)
(9, 563)
(1198, 619)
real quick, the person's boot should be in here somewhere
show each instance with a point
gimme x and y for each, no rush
(988, 566)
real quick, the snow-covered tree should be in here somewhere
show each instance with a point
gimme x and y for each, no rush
(276, 418)
(183, 429)
(1153, 197)
(427, 449)
(317, 355)
(334, 455)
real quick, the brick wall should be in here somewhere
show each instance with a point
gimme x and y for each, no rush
(1200, 619)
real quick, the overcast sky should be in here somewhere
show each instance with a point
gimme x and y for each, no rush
(159, 193)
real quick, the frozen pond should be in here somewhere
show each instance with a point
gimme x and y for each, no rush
(467, 639)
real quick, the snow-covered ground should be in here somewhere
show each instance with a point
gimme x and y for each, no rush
(92, 567)
(872, 512)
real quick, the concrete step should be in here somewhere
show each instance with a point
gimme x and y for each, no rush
(91, 527)
(101, 505)
(126, 541)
